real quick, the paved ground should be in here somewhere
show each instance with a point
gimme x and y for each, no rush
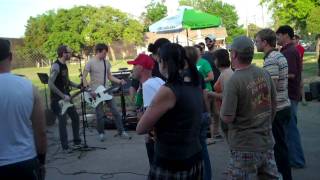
(127, 160)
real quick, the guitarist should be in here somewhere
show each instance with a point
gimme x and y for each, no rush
(99, 69)
(59, 84)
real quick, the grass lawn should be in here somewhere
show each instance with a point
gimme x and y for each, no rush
(31, 73)
(309, 72)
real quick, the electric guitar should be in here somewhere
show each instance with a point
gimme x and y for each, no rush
(102, 94)
(65, 105)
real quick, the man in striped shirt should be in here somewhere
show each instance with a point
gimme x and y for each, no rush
(276, 64)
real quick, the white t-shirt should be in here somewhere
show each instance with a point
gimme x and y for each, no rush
(149, 88)
(16, 133)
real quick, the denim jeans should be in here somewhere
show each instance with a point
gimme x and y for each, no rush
(116, 116)
(72, 113)
(281, 119)
(205, 121)
(150, 151)
(296, 156)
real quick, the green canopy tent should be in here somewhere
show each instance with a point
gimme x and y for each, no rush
(186, 18)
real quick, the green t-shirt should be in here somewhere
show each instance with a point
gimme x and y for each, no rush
(204, 68)
(139, 99)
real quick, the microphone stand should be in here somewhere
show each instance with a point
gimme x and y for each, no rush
(123, 100)
(84, 147)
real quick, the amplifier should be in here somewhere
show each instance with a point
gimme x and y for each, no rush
(315, 89)
(125, 75)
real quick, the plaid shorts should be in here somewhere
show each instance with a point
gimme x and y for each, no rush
(252, 165)
(159, 173)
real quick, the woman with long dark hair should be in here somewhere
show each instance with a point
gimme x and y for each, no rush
(175, 113)
(153, 48)
(193, 54)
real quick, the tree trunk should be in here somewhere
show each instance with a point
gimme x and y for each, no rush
(113, 57)
(318, 47)
(318, 53)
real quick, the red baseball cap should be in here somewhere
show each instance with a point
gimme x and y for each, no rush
(143, 60)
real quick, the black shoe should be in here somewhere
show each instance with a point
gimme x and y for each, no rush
(77, 142)
(218, 136)
(66, 150)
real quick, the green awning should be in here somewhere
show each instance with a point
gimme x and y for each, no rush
(195, 19)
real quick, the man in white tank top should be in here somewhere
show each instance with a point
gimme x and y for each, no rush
(142, 71)
(23, 142)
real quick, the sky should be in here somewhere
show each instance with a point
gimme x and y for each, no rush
(14, 14)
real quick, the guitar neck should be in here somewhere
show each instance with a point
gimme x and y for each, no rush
(75, 94)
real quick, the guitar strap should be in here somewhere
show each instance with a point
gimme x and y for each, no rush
(105, 71)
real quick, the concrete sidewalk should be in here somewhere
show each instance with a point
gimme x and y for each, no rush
(127, 159)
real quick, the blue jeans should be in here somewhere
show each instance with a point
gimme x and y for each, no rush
(72, 113)
(116, 116)
(280, 121)
(205, 121)
(296, 156)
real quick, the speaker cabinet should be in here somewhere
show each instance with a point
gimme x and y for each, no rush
(314, 89)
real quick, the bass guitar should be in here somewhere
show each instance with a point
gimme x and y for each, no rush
(65, 105)
(102, 94)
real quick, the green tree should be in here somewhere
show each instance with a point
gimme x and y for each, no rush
(292, 12)
(155, 12)
(133, 32)
(78, 26)
(252, 30)
(74, 20)
(109, 24)
(67, 29)
(313, 26)
(226, 11)
(38, 30)
(55, 39)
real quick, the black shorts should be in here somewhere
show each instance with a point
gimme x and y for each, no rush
(26, 170)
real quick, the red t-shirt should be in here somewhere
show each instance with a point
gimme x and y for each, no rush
(301, 52)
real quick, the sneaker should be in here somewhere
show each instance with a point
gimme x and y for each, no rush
(75, 146)
(304, 103)
(76, 143)
(124, 135)
(297, 166)
(218, 136)
(211, 141)
(101, 137)
(67, 151)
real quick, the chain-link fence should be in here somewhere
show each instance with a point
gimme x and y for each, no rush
(24, 57)
(32, 57)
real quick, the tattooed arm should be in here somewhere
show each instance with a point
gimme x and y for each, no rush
(73, 84)
(53, 75)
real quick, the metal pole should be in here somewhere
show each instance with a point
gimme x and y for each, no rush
(187, 37)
